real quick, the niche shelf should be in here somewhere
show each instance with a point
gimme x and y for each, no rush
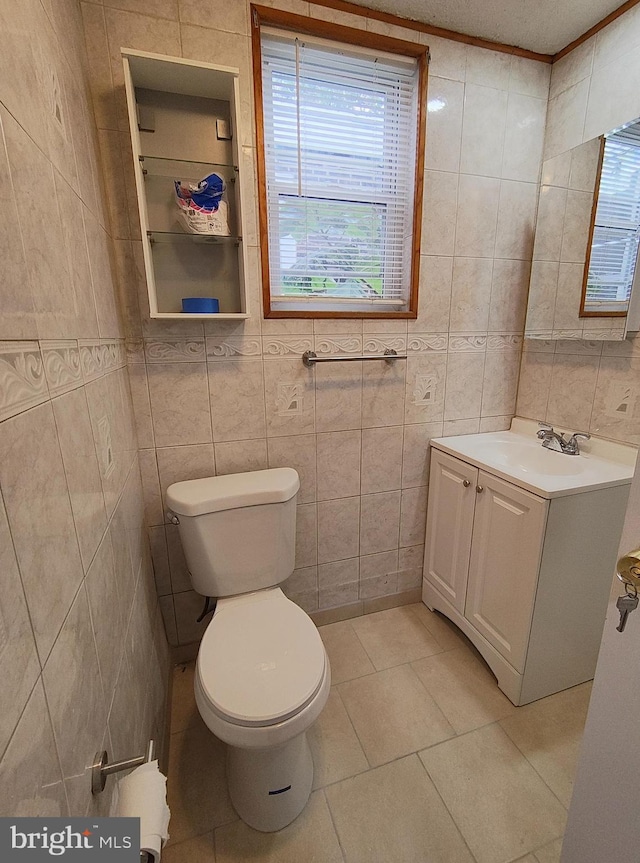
(184, 123)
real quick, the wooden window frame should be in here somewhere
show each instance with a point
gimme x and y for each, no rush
(267, 16)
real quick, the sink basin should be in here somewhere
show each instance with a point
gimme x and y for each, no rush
(532, 457)
(518, 456)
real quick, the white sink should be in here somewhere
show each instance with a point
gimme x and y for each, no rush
(519, 457)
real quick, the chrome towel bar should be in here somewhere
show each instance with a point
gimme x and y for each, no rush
(309, 358)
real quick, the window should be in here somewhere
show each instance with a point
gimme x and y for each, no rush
(340, 143)
(616, 226)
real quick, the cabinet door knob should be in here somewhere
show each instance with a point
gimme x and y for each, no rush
(466, 483)
(479, 489)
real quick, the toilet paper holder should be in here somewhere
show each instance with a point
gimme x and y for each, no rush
(101, 768)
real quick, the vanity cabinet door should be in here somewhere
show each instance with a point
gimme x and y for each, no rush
(452, 494)
(508, 535)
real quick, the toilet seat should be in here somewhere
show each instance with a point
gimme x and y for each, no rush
(272, 647)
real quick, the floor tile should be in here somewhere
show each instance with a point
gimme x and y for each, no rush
(502, 807)
(463, 688)
(393, 814)
(184, 712)
(550, 853)
(310, 838)
(347, 656)
(549, 733)
(199, 848)
(334, 744)
(197, 788)
(440, 627)
(394, 636)
(393, 714)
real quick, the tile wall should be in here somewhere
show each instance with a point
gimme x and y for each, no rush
(83, 655)
(225, 396)
(588, 385)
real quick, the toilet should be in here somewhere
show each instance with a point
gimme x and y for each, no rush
(262, 673)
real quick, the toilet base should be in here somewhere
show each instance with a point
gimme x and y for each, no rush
(269, 788)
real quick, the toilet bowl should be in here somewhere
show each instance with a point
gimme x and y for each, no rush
(262, 673)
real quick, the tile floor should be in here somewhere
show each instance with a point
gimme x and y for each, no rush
(418, 757)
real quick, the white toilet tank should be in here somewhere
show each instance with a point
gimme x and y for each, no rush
(238, 531)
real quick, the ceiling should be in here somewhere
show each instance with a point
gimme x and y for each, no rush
(545, 26)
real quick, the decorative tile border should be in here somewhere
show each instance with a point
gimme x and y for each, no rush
(338, 344)
(97, 358)
(380, 342)
(422, 343)
(233, 347)
(61, 365)
(23, 383)
(174, 350)
(295, 346)
(467, 342)
(503, 341)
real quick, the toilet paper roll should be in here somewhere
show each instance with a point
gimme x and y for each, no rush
(143, 794)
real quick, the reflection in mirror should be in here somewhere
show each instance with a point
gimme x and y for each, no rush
(564, 229)
(613, 245)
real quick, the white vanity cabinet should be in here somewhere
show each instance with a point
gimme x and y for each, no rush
(525, 577)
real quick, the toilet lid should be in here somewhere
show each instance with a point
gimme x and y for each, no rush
(260, 661)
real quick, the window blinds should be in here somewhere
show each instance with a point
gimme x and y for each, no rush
(614, 247)
(340, 128)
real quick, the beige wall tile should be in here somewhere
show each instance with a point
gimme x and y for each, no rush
(73, 425)
(415, 453)
(338, 529)
(516, 220)
(19, 659)
(289, 398)
(499, 390)
(41, 524)
(240, 456)
(434, 295)
(30, 778)
(477, 216)
(485, 113)
(573, 385)
(413, 514)
(379, 522)
(445, 100)
(524, 137)
(338, 396)
(179, 403)
(180, 463)
(465, 373)
(382, 394)
(307, 534)
(439, 213)
(509, 287)
(298, 452)
(534, 385)
(425, 388)
(381, 459)
(470, 294)
(237, 400)
(338, 460)
(72, 676)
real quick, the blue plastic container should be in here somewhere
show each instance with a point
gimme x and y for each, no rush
(200, 305)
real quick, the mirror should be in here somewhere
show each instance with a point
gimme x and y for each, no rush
(586, 241)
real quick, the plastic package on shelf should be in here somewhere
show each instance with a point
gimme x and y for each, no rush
(202, 207)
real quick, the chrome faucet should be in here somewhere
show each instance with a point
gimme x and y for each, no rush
(557, 442)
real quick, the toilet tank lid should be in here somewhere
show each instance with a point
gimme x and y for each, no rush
(235, 490)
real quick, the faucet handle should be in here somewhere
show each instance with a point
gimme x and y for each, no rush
(572, 443)
(544, 430)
